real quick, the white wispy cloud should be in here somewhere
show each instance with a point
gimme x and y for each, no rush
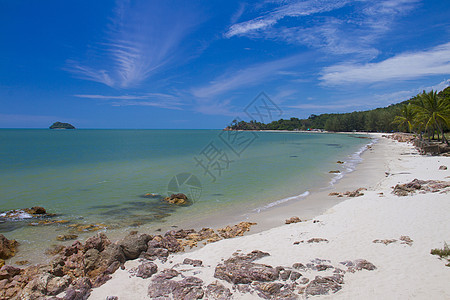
(402, 95)
(290, 9)
(367, 101)
(246, 77)
(149, 99)
(435, 61)
(350, 33)
(139, 42)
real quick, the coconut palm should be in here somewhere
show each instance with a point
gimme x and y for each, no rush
(406, 118)
(433, 111)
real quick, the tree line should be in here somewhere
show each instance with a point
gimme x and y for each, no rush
(425, 113)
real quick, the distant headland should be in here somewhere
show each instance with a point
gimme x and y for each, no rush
(59, 125)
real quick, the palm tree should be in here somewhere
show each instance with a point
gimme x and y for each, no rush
(406, 118)
(433, 111)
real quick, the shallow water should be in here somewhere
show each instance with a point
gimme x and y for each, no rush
(99, 176)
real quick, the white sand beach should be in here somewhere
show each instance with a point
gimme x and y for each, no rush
(405, 269)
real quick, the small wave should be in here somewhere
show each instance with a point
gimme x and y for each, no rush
(15, 215)
(281, 201)
(352, 162)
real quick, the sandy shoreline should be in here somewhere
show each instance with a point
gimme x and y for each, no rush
(350, 227)
(307, 206)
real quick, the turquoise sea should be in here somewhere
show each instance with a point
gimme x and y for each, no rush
(100, 176)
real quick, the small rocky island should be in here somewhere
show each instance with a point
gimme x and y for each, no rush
(59, 125)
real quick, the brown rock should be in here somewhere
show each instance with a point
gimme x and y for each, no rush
(101, 280)
(79, 289)
(217, 291)
(299, 266)
(293, 220)
(65, 237)
(443, 168)
(36, 210)
(187, 288)
(322, 286)
(360, 264)
(166, 274)
(316, 240)
(87, 227)
(8, 272)
(48, 222)
(168, 242)
(235, 230)
(91, 259)
(98, 241)
(55, 249)
(57, 284)
(295, 275)
(339, 162)
(285, 274)
(193, 262)
(406, 240)
(146, 270)
(8, 248)
(269, 289)
(133, 245)
(335, 172)
(154, 253)
(177, 199)
(22, 262)
(386, 241)
(423, 186)
(111, 254)
(113, 267)
(241, 269)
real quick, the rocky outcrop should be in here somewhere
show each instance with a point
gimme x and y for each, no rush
(351, 194)
(421, 186)
(404, 239)
(8, 248)
(241, 269)
(401, 137)
(133, 244)
(81, 266)
(217, 291)
(66, 237)
(423, 146)
(177, 199)
(146, 270)
(312, 240)
(25, 213)
(236, 230)
(193, 262)
(323, 286)
(292, 220)
(163, 287)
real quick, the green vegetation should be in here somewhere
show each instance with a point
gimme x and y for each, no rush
(432, 113)
(426, 112)
(443, 253)
(59, 125)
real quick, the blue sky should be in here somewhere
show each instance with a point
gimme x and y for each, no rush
(198, 64)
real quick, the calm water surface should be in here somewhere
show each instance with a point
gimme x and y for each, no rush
(99, 176)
